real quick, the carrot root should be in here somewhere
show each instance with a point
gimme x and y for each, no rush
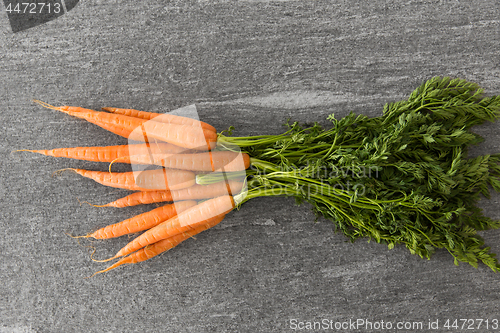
(98, 206)
(82, 202)
(102, 260)
(31, 151)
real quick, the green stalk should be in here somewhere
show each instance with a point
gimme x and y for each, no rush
(425, 191)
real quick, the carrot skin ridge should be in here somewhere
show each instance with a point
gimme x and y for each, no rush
(143, 221)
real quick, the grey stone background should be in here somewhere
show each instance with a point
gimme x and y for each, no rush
(250, 64)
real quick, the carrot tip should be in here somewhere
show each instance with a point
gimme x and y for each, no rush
(47, 105)
(76, 237)
(113, 161)
(88, 203)
(15, 151)
(98, 272)
(102, 271)
(89, 277)
(30, 150)
(104, 260)
(57, 172)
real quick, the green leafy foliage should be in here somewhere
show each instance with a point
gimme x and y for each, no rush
(401, 178)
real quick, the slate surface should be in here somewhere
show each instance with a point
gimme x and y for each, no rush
(250, 64)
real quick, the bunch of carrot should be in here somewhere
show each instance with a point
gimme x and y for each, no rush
(180, 148)
(424, 193)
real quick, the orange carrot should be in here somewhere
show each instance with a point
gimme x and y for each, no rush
(164, 245)
(122, 126)
(195, 192)
(182, 222)
(144, 130)
(148, 180)
(109, 154)
(142, 222)
(181, 135)
(160, 117)
(214, 161)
